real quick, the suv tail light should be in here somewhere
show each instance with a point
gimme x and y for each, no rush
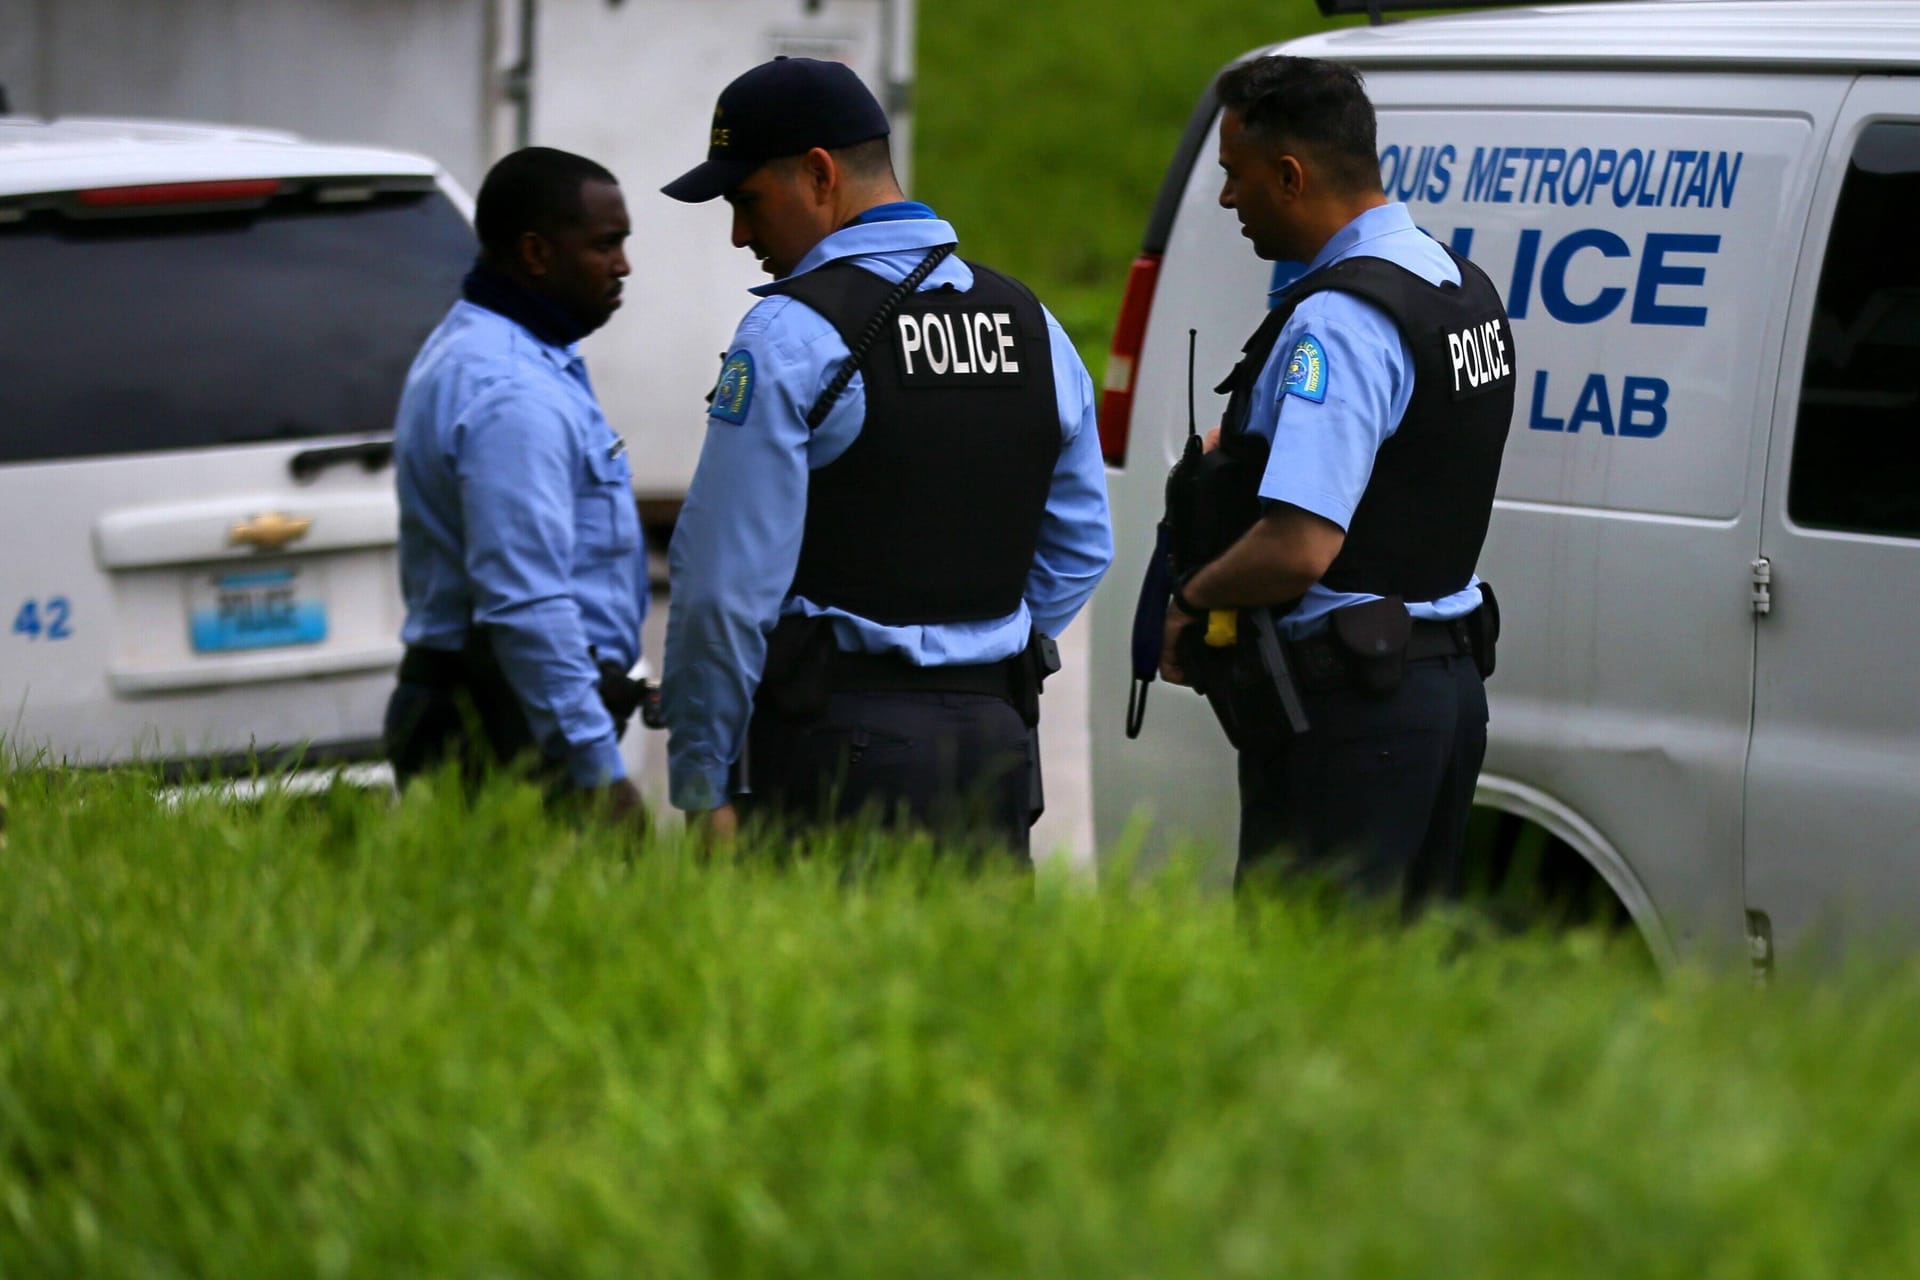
(241, 191)
(1123, 360)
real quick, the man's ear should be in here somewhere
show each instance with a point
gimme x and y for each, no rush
(534, 253)
(1292, 175)
(820, 172)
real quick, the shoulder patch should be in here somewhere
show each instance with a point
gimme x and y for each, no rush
(733, 393)
(1306, 374)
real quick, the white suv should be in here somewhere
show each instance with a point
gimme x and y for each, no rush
(203, 334)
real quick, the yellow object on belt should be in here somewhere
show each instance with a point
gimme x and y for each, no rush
(1223, 628)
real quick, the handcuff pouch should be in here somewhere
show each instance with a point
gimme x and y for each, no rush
(1483, 629)
(1027, 671)
(1373, 638)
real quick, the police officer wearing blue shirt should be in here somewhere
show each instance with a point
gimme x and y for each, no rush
(520, 551)
(900, 497)
(1382, 383)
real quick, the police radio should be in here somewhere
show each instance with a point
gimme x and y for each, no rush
(1236, 659)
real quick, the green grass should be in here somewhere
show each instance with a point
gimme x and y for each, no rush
(335, 1038)
(1042, 130)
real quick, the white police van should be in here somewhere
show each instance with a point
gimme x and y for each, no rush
(203, 334)
(1707, 539)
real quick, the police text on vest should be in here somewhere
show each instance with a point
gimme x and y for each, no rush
(960, 342)
(1480, 353)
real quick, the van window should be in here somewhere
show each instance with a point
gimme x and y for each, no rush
(1860, 399)
(178, 331)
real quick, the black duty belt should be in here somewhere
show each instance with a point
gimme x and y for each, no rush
(476, 670)
(1321, 663)
(1432, 639)
(886, 673)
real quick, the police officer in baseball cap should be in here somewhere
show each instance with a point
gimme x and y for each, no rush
(900, 500)
(781, 108)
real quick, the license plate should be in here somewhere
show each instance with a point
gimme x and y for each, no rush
(254, 609)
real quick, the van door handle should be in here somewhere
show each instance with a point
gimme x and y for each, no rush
(370, 454)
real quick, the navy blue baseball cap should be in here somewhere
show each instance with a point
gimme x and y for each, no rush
(785, 107)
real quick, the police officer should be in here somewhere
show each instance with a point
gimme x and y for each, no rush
(1383, 380)
(520, 552)
(899, 500)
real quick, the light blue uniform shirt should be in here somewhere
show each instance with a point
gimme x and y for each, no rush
(1323, 449)
(516, 512)
(737, 542)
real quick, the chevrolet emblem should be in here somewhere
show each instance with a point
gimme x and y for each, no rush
(269, 531)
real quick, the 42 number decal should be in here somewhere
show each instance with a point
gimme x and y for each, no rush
(44, 619)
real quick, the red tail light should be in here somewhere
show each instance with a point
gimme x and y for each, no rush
(159, 193)
(1123, 360)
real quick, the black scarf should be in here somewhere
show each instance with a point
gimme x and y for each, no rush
(489, 287)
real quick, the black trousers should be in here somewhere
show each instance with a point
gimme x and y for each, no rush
(427, 725)
(961, 765)
(1375, 795)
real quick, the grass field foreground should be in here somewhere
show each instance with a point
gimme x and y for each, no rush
(338, 1038)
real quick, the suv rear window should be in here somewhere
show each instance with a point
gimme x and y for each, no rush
(163, 330)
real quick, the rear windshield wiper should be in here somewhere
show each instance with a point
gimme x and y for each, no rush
(370, 454)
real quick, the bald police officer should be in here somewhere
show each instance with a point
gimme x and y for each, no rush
(520, 554)
(900, 498)
(1382, 382)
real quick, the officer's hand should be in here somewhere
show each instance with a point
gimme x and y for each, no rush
(1178, 620)
(716, 826)
(624, 805)
(1212, 441)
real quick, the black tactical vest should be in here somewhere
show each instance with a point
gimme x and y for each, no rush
(1419, 527)
(933, 512)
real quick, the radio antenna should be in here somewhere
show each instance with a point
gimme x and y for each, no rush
(1193, 336)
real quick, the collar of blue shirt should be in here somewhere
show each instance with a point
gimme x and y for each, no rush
(897, 211)
(896, 233)
(1381, 220)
